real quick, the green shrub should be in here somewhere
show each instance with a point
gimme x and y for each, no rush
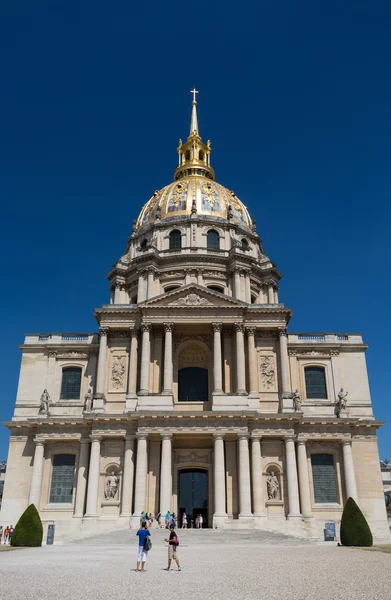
(355, 530)
(28, 530)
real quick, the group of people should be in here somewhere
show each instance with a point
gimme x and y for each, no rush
(145, 545)
(169, 519)
(6, 534)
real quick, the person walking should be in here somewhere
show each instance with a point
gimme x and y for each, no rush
(6, 534)
(184, 521)
(200, 520)
(142, 556)
(167, 519)
(197, 522)
(11, 531)
(173, 543)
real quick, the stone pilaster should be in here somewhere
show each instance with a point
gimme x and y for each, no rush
(286, 392)
(220, 514)
(81, 484)
(36, 479)
(166, 474)
(252, 363)
(256, 478)
(99, 396)
(240, 360)
(145, 359)
(217, 359)
(141, 477)
(131, 395)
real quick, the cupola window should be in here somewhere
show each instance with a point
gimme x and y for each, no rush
(213, 239)
(144, 245)
(315, 383)
(175, 239)
(216, 288)
(244, 244)
(71, 383)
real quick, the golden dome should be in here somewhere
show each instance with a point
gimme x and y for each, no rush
(194, 195)
(194, 190)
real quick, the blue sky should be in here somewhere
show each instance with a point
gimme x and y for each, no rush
(295, 97)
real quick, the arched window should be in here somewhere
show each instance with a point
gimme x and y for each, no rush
(323, 476)
(187, 155)
(171, 288)
(315, 383)
(71, 383)
(61, 488)
(175, 239)
(201, 155)
(216, 288)
(213, 239)
(244, 243)
(144, 245)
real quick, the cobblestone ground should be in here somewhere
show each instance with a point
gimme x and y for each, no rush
(220, 565)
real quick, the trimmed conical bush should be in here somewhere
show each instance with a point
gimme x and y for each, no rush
(28, 530)
(355, 530)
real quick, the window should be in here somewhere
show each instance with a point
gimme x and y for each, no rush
(175, 239)
(325, 481)
(71, 382)
(213, 240)
(315, 383)
(144, 245)
(61, 489)
(171, 288)
(244, 243)
(216, 288)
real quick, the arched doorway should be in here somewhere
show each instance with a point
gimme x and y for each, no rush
(193, 384)
(193, 495)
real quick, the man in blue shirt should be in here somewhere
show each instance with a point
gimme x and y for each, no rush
(142, 553)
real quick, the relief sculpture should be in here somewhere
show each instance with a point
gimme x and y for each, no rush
(118, 372)
(268, 376)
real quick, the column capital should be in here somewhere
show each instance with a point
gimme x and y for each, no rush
(289, 438)
(218, 436)
(239, 327)
(200, 271)
(302, 441)
(217, 327)
(134, 331)
(52, 353)
(256, 437)
(146, 327)
(168, 326)
(141, 435)
(96, 437)
(84, 440)
(166, 436)
(40, 441)
(282, 332)
(104, 331)
(129, 437)
(244, 435)
(346, 442)
(250, 331)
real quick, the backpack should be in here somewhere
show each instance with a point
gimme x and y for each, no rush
(177, 540)
(147, 543)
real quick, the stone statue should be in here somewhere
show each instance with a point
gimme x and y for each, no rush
(296, 400)
(88, 398)
(45, 399)
(230, 212)
(272, 486)
(158, 213)
(111, 486)
(340, 403)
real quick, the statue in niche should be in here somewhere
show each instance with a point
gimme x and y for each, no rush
(340, 403)
(296, 400)
(272, 486)
(88, 399)
(118, 372)
(45, 399)
(111, 487)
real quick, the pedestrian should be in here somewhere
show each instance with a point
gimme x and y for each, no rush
(6, 534)
(1, 534)
(11, 531)
(159, 518)
(143, 546)
(201, 520)
(173, 543)
(173, 520)
(184, 521)
(167, 518)
(197, 521)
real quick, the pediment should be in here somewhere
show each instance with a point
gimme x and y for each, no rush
(193, 296)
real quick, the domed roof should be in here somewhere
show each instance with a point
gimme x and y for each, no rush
(194, 194)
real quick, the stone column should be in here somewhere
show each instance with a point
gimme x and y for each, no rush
(247, 286)
(145, 359)
(166, 474)
(286, 393)
(237, 289)
(99, 396)
(227, 345)
(256, 478)
(132, 379)
(200, 277)
(270, 294)
(127, 477)
(141, 475)
(291, 475)
(151, 281)
(350, 477)
(217, 362)
(304, 482)
(187, 276)
(240, 360)
(141, 288)
(117, 293)
(252, 362)
(36, 478)
(168, 367)
(244, 478)
(219, 480)
(82, 471)
(276, 295)
(93, 477)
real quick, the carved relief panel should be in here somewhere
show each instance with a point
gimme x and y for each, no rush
(117, 371)
(268, 373)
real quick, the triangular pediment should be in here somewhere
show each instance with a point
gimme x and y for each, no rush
(193, 296)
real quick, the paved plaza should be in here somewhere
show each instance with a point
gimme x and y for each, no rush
(218, 565)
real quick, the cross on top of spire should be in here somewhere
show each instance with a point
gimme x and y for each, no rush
(194, 92)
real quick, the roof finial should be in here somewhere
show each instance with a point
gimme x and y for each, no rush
(194, 120)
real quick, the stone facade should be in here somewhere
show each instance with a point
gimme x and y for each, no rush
(193, 371)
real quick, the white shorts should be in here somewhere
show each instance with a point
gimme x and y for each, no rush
(142, 554)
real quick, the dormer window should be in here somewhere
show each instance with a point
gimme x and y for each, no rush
(144, 245)
(175, 239)
(244, 243)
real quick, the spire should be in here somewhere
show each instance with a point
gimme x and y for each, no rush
(194, 120)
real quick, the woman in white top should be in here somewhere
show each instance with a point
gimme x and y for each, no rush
(200, 520)
(184, 521)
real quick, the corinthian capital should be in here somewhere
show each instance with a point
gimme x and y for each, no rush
(104, 331)
(217, 327)
(282, 332)
(146, 327)
(239, 327)
(168, 326)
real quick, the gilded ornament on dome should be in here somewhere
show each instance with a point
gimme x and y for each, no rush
(177, 199)
(210, 199)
